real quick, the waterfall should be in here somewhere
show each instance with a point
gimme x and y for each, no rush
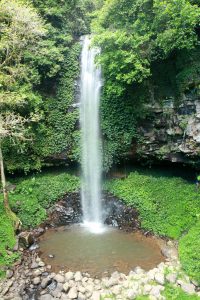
(91, 154)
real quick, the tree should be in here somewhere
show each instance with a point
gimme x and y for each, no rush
(12, 127)
(20, 33)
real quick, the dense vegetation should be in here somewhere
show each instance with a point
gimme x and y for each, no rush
(29, 201)
(45, 80)
(149, 52)
(168, 207)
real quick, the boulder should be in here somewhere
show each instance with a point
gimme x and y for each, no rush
(26, 239)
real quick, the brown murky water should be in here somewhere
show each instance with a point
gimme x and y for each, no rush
(76, 249)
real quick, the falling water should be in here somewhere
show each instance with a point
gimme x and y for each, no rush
(91, 154)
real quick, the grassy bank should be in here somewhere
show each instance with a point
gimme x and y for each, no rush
(30, 200)
(169, 207)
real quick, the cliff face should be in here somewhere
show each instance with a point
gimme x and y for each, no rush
(171, 133)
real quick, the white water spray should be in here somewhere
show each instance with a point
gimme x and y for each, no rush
(91, 155)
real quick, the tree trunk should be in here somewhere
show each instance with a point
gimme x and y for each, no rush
(3, 181)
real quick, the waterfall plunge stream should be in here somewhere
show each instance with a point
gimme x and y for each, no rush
(91, 155)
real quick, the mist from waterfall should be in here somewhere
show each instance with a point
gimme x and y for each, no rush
(91, 142)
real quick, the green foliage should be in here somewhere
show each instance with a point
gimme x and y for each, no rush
(7, 240)
(176, 293)
(50, 87)
(119, 121)
(167, 206)
(144, 47)
(37, 193)
(189, 252)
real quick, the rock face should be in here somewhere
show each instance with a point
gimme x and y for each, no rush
(116, 213)
(171, 133)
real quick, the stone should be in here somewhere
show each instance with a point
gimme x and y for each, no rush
(130, 294)
(88, 294)
(171, 278)
(81, 296)
(159, 278)
(9, 274)
(146, 289)
(139, 271)
(89, 288)
(46, 281)
(69, 276)
(37, 272)
(46, 297)
(82, 289)
(73, 293)
(16, 247)
(34, 247)
(52, 286)
(78, 276)
(36, 280)
(34, 265)
(59, 278)
(48, 267)
(156, 290)
(117, 289)
(25, 239)
(41, 264)
(188, 288)
(66, 287)
(111, 282)
(58, 291)
(96, 296)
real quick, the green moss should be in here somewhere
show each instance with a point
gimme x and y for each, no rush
(7, 240)
(175, 293)
(189, 252)
(167, 206)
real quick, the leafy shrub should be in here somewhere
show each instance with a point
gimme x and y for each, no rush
(33, 195)
(7, 240)
(167, 206)
(189, 251)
